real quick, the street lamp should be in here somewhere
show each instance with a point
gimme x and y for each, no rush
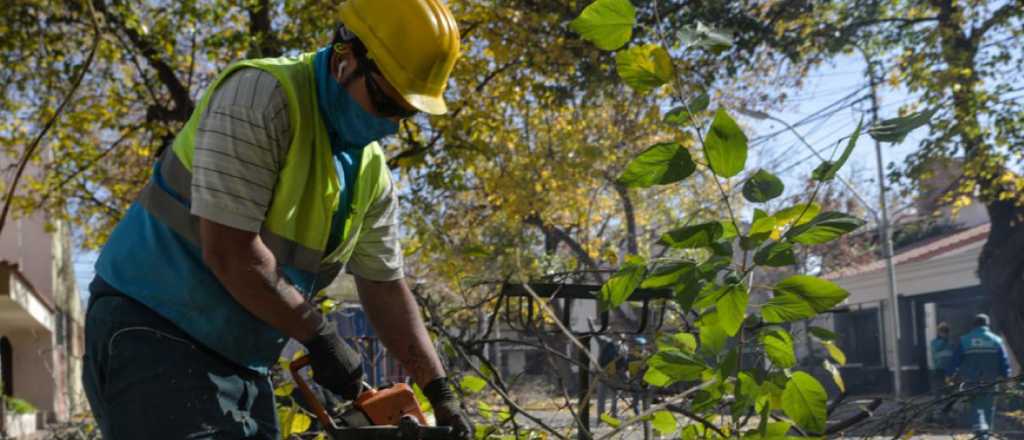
(882, 220)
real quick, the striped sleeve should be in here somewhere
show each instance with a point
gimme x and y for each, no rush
(241, 142)
(378, 253)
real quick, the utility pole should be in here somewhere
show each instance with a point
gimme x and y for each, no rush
(885, 236)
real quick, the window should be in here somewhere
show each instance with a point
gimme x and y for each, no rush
(859, 337)
(6, 366)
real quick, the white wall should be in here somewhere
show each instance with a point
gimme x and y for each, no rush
(34, 374)
(945, 273)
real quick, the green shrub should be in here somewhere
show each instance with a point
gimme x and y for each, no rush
(19, 406)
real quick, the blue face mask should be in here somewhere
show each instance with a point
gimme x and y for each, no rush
(348, 124)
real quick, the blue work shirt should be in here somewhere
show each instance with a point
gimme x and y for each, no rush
(942, 353)
(980, 356)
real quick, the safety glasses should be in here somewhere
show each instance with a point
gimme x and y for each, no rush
(385, 105)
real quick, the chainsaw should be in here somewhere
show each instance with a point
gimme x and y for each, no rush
(386, 413)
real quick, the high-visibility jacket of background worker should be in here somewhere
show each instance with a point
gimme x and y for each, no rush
(296, 228)
(942, 353)
(980, 356)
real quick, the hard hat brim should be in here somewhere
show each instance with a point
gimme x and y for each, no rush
(427, 104)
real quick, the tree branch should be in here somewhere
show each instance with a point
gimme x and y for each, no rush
(628, 212)
(561, 235)
(263, 42)
(183, 104)
(30, 150)
(1000, 16)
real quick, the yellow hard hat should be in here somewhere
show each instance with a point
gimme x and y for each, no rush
(413, 42)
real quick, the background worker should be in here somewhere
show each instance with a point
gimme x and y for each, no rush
(941, 350)
(981, 358)
(271, 188)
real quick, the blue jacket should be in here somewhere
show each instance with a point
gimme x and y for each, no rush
(942, 353)
(980, 356)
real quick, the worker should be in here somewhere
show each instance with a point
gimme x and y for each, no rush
(980, 359)
(941, 349)
(272, 187)
(614, 366)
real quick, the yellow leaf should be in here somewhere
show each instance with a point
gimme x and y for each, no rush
(300, 423)
(284, 390)
(835, 353)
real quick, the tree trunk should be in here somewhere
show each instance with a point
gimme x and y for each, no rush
(1001, 270)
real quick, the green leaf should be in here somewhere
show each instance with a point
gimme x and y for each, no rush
(778, 346)
(797, 214)
(611, 421)
(786, 308)
(894, 130)
(762, 187)
(667, 274)
(804, 400)
(697, 431)
(696, 236)
(656, 378)
(681, 115)
(644, 67)
(484, 409)
(722, 248)
(709, 296)
(746, 392)
(819, 293)
(824, 228)
(680, 341)
(606, 23)
(822, 333)
(714, 40)
(421, 398)
(663, 422)
(709, 268)
(732, 308)
(770, 431)
(837, 376)
(777, 254)
(659, 164)
(712, 336)
(618, 289)
(472, 384)
(828, 169)
(671, 366)
(728, 230)
(688, 290)
(835, 352)
(760, 231)
(725, 146)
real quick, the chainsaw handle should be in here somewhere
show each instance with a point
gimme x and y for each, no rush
(307, 394)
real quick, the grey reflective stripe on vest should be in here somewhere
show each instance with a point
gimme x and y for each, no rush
(175, 175)
(176, 215)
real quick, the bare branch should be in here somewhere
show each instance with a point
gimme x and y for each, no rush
(30, 150)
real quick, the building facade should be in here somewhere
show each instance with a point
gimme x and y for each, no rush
(41, 324)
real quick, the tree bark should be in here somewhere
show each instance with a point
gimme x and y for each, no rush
(1001, 263)
(1001, 270)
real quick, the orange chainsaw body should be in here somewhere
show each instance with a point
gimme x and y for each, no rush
(387, 406)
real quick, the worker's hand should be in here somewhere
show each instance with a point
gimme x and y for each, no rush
(446, 408)
(336, 366)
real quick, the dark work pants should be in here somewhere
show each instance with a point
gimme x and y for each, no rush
(982, 413)
(146, 379)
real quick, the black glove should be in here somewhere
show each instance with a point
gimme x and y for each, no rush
(446, 408)
(336, 366)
